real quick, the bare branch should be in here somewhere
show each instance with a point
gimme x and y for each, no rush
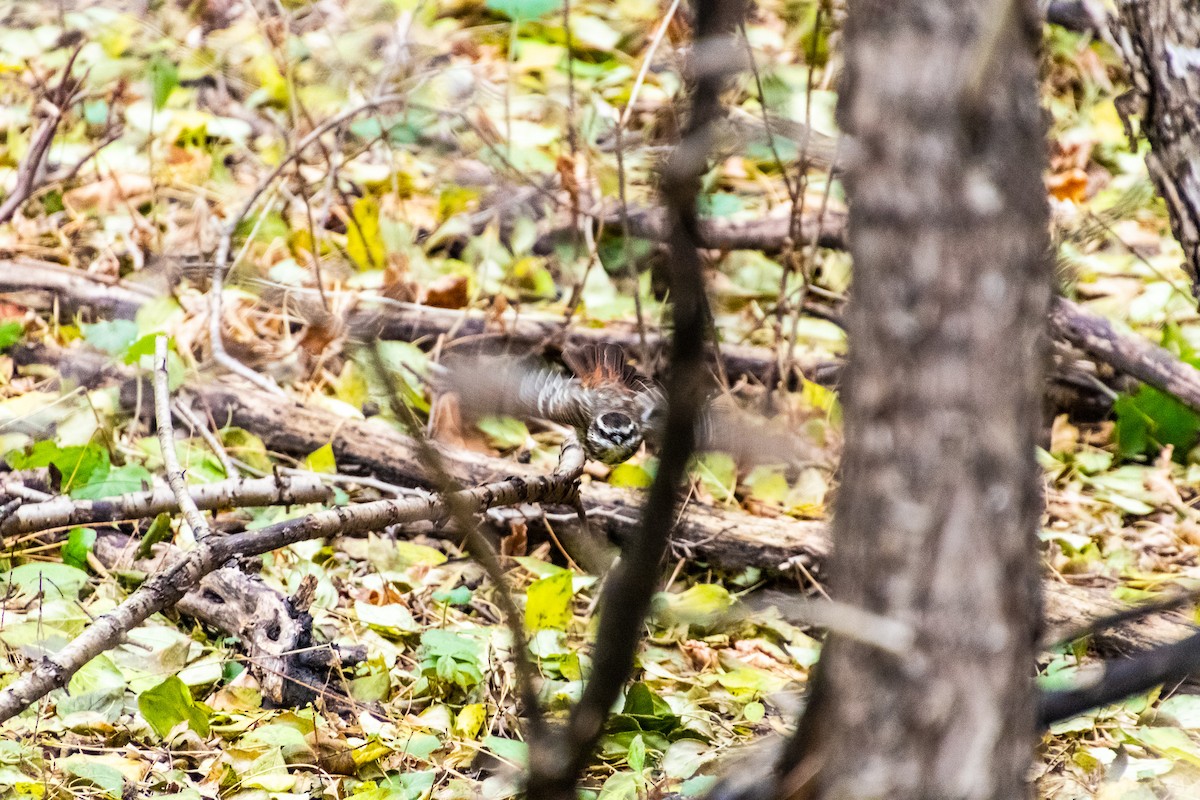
(31, 168)
(63, 512)
(166, 440)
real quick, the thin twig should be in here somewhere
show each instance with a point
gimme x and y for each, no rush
(570, 465)
(187, 415)
(166, 440)
(29, 171)
(648, 61)
(629, 586)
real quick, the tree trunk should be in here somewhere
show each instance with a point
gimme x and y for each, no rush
(936, 518)
(1160, 40)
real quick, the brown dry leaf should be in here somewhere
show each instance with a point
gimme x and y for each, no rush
(448, 291)
(495, 312)
(383, 595)
(446, 426)
(517, 541)
(1069, 185)
(396, 283)
(757, 653)
(565, 166)
(702, 657)
(1064, 437)
(109, 194)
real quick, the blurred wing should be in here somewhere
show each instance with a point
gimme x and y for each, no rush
(495, 385)
(725, 428)
(752, 439)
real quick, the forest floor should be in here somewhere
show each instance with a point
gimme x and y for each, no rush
(474, 183)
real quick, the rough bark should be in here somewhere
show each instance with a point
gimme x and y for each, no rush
(940, 499)
(1160, 40)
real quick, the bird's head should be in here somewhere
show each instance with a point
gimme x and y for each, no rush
(612, 437)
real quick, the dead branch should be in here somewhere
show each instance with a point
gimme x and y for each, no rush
(723, 537)
(704, 532)
(1162, 97)
(276, 635)
(769, 232)
(1132, 355)
(166, 441)
(31, 170)
(65, 512)
(76, 291)
(164, 589)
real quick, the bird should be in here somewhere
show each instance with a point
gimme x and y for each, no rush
(611, 407)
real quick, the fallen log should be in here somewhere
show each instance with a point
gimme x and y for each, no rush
(377, 448)
(43, 285)
(725, 538)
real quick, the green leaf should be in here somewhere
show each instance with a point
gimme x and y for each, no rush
(503, 433)
(620, 786)
(159, 315)
(455, 200)
(168, 704)
(511, 750)
(112, 336)
(163, 76)
(159, 531)
(392, 619)
(321, 460)
(48, 579)
(721, 204)
(630, 476)
(548, 603)
(118, 481)
(523, 9)
(1182, 710)
(95, 112)
(717, 473)
(11, 333)
(142, 347)
(637, 755)
(458, 596)
(703, 604)
(697, 786)
(1149, 419)
(79, 543)
(767, 485)
(409, 785)
(78, 465)
(90, 770)
(1173, 743)
(641, 702)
